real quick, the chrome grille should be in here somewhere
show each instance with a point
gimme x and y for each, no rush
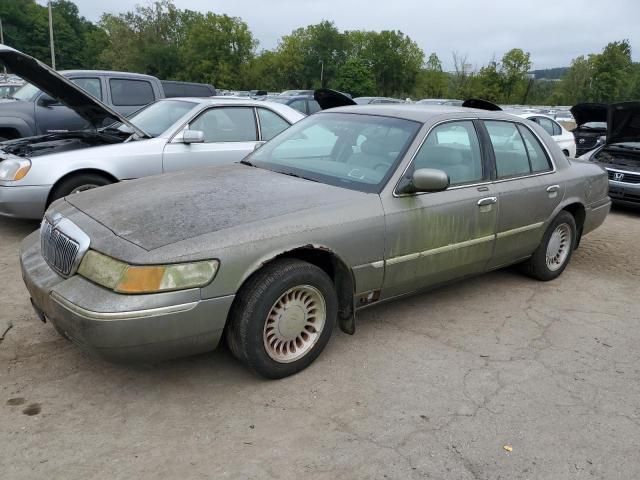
(59, 250)
(626, 176)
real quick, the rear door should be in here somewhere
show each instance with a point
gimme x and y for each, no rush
(527, 187)
(230, 134)
(435, 237)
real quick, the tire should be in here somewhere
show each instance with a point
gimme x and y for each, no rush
(267, 340)
(85, 181)
(541, 268)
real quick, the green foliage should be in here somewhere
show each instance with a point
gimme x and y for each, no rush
(356, 78)
(432, 82)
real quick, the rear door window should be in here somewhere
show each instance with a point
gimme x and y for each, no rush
(537, 156)
(545, 123)
(271, 123)
(508, 147)
(130, 92)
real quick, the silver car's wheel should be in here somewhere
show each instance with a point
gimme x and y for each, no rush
(559, 247)
(82, 188)
(294, 324)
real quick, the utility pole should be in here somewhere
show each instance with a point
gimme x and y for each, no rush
(321, 73)
(4, 68)
(53, 51)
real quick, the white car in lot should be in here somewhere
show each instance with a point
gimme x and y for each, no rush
(563, 137)
(165, 136)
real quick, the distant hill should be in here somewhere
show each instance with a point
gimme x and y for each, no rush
(549, 73)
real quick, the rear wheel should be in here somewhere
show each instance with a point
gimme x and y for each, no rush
(76, 184)
(554, 252)
(282, 318)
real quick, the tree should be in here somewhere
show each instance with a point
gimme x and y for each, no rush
(356, 78)
(489, 83)
(575, 85)
(514, 68)
(612, 73)
(432, 82)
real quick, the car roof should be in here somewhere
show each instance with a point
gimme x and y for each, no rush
(416, 112)
(103, 73)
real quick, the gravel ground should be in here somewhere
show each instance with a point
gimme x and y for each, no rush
(435, 386)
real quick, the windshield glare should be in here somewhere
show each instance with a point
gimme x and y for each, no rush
(158, 117)
(349, 150)
(26, 93)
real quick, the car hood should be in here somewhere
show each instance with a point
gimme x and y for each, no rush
(61, 89)
(153, 212)
(623, 123)
(589, 112)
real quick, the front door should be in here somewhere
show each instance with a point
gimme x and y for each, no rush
(230, 134)
(435, 237)
(527, 190)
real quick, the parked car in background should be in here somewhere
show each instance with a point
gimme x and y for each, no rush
(32, 111)
(347, 208)
(563, 137)
(9, 86)
(174, 88)
(295, 93)
(167, 135)
(303, 103)
(376, 100)
(620, 155)
(591, 125)
(440, 101)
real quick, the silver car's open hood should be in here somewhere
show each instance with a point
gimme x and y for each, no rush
(61, 89)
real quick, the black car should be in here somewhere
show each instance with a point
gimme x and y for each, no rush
(591, 125)
(620, 155)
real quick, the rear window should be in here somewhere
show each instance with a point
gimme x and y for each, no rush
(130, 92)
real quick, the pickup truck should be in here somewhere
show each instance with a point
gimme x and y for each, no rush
(31, 111)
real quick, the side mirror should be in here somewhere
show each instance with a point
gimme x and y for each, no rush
(427, 180)
(47, 101)
(192, 136)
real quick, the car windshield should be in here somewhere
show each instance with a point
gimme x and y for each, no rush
(354, 151)
(26, 93)
(158, 117)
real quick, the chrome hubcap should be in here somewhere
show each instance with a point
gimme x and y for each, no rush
(82, 188)
(558, 247)
(294, 323)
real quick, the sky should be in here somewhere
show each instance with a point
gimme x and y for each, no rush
(553, 31)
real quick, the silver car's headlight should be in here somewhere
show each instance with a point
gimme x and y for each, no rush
(13, 169)
(124, 278)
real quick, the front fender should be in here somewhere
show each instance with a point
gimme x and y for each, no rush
(24, 128)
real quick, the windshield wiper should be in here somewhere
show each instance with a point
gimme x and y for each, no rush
(291, 174)
(247, 162)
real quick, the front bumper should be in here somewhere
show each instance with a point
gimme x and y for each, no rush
(122, 327)
(624, 193)
(23, 201)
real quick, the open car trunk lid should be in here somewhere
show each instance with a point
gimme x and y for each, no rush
(61, 89)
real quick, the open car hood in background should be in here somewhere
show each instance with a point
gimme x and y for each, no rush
(61, 89)
(328, 98)
(623, 122)
(589, 112)
(481, 104)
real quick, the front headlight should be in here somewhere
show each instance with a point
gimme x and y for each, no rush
(14, 169)
(123, 278)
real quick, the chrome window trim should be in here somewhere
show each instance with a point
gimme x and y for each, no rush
(487, 182)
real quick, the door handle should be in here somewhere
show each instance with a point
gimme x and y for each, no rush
(487, 201)
(553, 188)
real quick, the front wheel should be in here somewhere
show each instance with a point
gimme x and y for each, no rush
(282, 318)
(554, 252)
(76, 184)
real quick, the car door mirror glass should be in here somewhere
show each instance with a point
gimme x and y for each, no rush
(427, 180)
(192, 136)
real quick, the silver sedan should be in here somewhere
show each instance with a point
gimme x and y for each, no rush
(348, 208)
